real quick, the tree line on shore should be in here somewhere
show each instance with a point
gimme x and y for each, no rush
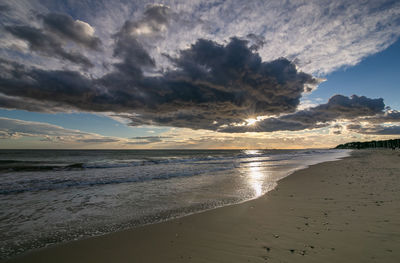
(392, 144)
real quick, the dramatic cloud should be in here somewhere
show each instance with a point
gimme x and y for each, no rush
(320, 35)
(222, 84)
(387, 117)
(212, 85)
(383, 123)
(4, 8)
(66, 28)
(66, 87)
(155, 19)
(133, 40)
(57, 32)
(374, 129)
(338, 107)
(19, 103)
(46, 44)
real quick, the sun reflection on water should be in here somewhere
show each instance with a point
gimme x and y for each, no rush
(255, 171)
(256, 178)
(251, 152)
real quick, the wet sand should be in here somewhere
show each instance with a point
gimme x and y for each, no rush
(341, 211)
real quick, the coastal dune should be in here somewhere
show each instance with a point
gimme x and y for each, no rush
(341, 211)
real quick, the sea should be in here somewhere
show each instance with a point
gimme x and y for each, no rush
(53, 196)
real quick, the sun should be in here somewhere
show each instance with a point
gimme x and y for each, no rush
(250, 121)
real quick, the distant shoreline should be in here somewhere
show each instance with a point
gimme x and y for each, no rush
(392, 144)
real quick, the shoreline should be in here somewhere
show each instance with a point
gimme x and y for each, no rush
(249, 179)
(233, 233)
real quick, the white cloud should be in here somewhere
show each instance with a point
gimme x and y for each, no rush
(15, 129)
(320, 36)
(85, 27)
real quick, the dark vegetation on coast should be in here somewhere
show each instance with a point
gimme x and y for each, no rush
(393, 144)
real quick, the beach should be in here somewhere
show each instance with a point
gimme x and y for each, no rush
(338, 211)
(49, 197)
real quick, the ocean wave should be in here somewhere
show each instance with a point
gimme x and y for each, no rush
(48, 184)
(28, 166)
(151, 169)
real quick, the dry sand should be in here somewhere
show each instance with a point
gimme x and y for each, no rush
(342, 211)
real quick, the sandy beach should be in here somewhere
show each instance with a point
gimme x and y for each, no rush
(341, 211)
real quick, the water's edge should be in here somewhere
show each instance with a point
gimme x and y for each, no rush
(170, 215)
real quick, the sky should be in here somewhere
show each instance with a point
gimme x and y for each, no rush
(198, 74)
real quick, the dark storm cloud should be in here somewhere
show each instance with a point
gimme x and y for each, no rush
(134, 56)
(374, 129)
(134, 35)
(392, 130)
(224, 84)
(338, 107)
(19, 103)
(256, 41)
(46, 44)
(212, 85)
(68, 89)
(274, 124)
(57, 32)
(66, 28)
(4, 8)
(154, 20)
(388, 116)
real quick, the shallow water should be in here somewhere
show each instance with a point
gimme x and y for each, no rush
(49, 196)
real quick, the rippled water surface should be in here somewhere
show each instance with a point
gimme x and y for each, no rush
(49, 196)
